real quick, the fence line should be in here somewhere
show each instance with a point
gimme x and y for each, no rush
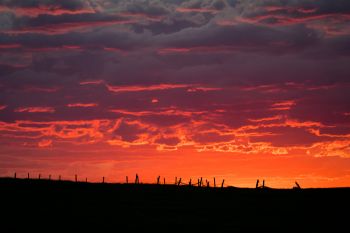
(178, 181)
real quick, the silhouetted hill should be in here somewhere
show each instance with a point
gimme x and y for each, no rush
(52, 206)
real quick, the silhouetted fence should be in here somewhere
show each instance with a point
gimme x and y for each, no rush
(178, 181)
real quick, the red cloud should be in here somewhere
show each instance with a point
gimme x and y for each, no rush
(196, 10)
(10, 46)
(82, 105)
(63, 28)
(36, 109)
(158, 87)
(145, 88)
(273, 118)
(282, 106)
(92, 82)
(45, 143)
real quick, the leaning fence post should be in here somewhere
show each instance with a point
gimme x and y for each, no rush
(222, 184)
(179, 182)
(214, 183)
(257, 183)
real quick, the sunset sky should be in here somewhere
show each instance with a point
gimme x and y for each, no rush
(234, 89)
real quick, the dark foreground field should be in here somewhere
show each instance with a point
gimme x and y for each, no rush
(54, 206)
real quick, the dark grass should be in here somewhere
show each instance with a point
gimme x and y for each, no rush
(63, 206)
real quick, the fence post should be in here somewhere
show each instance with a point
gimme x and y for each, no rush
(137, 179)
(298, 186)
(178, 184)
(164, 180)
(214, 183)
(49, 177)
(257, 183)
(190, 182)
(208, 184)
(127, 179)
(15, 175)
(86, 180)
(103, 180)
(76, 178)
(263, 184)
(222, 184)
(28, 176)
(59, 177)
(158, 178)
(39, 176)
(200, 182)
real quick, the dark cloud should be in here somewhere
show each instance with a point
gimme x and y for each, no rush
(246, 37)
(233, 62)
(295, 12)
(64, 4)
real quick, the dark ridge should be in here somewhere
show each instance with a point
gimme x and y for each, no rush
(32, 205)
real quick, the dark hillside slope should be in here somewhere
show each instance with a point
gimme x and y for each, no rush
(51, 206)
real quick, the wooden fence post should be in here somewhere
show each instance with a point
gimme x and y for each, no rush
(178, 184)
(263, 184)
(257, 183)
(127, 179)
(200, 182)
(15, 176)
(214, 183)
(190, 182)
(86, 180)
(158, 178)
(39, 176)
(137, 179)
(222, 184)
(76, 178)
(298, 186)
(49, 177)
(208, 184)
(28, 176)
(103, 180)
(59, 177)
